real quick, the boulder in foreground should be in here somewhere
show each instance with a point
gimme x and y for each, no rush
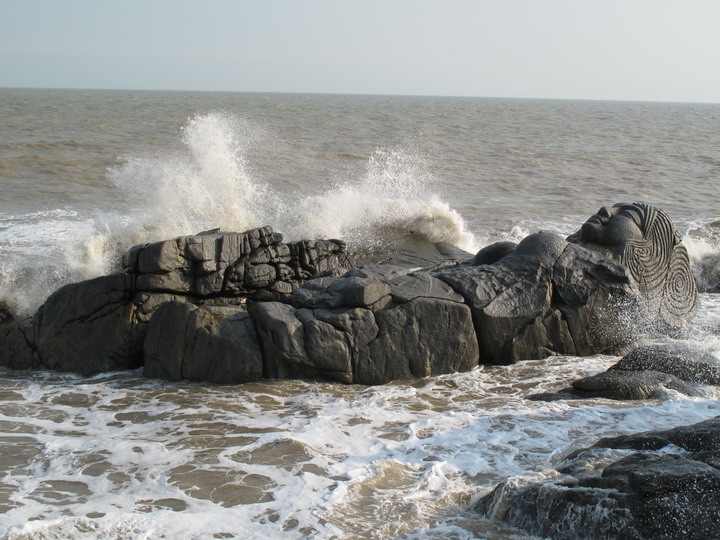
(667, 486)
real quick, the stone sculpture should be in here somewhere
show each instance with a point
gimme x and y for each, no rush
(644, 239)
(235, 307)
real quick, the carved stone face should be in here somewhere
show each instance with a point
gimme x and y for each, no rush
(614, 226)
(644, 239)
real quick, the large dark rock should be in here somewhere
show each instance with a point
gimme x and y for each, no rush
(100, 324)
(367, 329)
(644, 371)
(622, 273)
(199, 343)
(668, 488)
(630, 385)
(305, 343)
(419, 338)
(18, 345)
(87, 327)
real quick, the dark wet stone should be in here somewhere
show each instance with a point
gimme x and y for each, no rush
(681, 360)
(656, 493)
(493, 253)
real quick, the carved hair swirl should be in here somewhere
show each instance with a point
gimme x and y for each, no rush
(681, 295)
(660, 265)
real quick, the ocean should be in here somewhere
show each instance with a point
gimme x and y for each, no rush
(86, 174)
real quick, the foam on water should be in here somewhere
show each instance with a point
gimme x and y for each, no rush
(206, 184)
(44, 250)
(120, 455)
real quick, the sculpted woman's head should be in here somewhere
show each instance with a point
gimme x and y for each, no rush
(644, 239)
(614, 226)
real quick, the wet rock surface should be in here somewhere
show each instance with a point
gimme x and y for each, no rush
(643, 372)
(234, 307)
(101, 324)
(215, 344)
(666, 486)
(683, 361)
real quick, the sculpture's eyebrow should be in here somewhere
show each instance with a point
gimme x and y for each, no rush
(633, 213)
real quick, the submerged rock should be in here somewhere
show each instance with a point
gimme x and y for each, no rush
(644, 371)
(668, 488)
(630, 385)
(683, 361)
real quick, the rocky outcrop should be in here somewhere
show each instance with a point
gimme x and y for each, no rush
(100, 325)
(254, 264)
(666, 487)
(233, 307)
(367, 330)
(547, 297)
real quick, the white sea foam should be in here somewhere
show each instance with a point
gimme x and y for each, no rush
(703, 245)
(204, 183)
(394, 193)
(120, 456)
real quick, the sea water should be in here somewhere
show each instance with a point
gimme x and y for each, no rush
(86, 174)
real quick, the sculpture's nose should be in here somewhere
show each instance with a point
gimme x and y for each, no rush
(605, 212)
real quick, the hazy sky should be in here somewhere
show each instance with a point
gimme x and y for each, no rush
(664, 50)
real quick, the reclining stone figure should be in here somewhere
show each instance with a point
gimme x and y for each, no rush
(236, 307)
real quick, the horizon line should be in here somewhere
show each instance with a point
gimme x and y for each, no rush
(368, 94)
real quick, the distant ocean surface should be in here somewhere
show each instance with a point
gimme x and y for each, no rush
(86, 174)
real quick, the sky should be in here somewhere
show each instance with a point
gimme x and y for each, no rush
(649, 50)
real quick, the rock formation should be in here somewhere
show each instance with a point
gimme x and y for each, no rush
(643, 372)
(235, 307)
(667, 486)
(100, 324)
